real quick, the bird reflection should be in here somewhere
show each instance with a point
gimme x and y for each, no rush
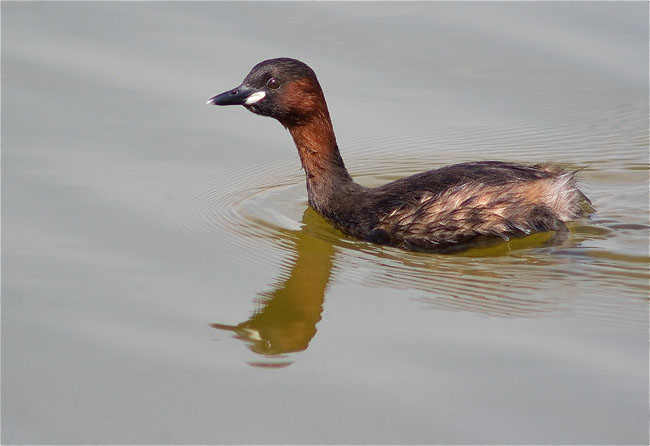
(287, 316)
(506, 286)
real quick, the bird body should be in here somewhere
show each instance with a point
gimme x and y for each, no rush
(443, 209)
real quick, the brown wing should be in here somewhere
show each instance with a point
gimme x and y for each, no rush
(471, 210)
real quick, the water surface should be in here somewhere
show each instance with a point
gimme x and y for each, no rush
(164, 280)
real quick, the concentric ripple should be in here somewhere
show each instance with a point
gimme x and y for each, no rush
(241, 209)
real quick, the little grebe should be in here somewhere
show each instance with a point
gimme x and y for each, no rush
(440, 210)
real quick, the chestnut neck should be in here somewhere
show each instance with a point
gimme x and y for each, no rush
(320, 157)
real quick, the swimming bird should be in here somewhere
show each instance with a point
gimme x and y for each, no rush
(440, 210)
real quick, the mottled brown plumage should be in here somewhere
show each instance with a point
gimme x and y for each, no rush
(439, 210)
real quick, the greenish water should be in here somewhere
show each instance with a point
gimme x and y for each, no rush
(164, 281)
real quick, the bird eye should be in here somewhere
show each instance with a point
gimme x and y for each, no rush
(273, 83)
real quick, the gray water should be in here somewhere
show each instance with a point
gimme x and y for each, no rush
(164, 281)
